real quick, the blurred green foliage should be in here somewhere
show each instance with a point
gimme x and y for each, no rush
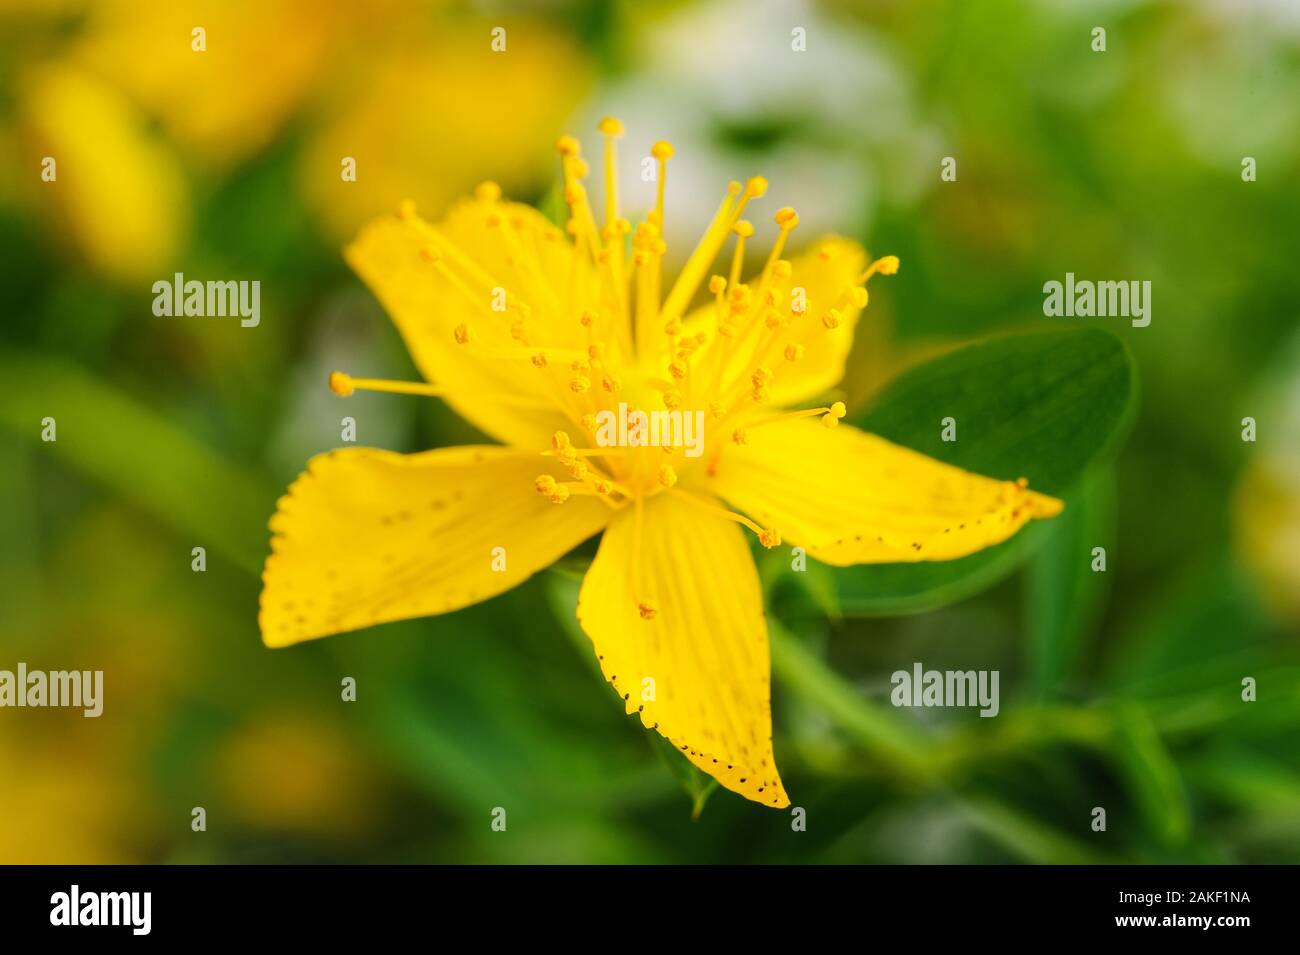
(1120, 690)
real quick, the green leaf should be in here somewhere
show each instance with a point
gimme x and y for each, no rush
(1151, 776)
(1063, 594)
(1044, 406)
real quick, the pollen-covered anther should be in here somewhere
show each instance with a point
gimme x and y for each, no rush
(786, 217)
(648, 609)
(756, 187)
(540, 360)
(740, 436)
(580, 365)
(560, 441)
(586, 318)
(677, 369)
(461, 334)
(341, 383)
(667, 476)
(717, 284)
(578, 468)
(560, 494)
(888, 265)
(603, 486)
(596, 352)
(662, 150)
(858, 297)
(833, 415)
(716, 409)
(589, 421)
(793, 351)
(610, 383)
(783, 268)
(545, 485)
(580, 384)
(770, 538)
(672, 399)
(832, 319)
(673, 327)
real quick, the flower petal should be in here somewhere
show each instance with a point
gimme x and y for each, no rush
(698, 670)
(849, 497)
(365, 536)
(491, 380)
(826, 272)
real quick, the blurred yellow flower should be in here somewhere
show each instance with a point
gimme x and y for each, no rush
(402, 114)
(533, 337)
(118, 190)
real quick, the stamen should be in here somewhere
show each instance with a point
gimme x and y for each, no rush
(885, 265)
(768, 537)
(344, 385)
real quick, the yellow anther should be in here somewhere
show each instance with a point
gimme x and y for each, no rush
(596, 352)
(858, 297)
(406, 210)
(579, 384)
(602, 486)
(578, 468)
(833, 414)
(341, 383)
(717, 284)
(545, 484)
(761, 376)
(755, 187)
(740, 436)
(560, 494)
(586, 318)
(662, 150)
(743, 228)
(648, 609)
(580, 365)
(832, 318)
(611, 383)
(793, 351)
(588, 421)
(677, 369)
(716, 409)
(566, 145)
(461, 333)
(667, 476)
(540, 359)
(761, 392)
(887, 265)
(786, 217)
(783, 268)
(560, 441)
(672, 399)
(610, 126)
(770, 538)
(673, 327)
(727, 329)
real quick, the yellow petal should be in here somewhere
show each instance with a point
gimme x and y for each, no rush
(826, 272)
(850, 497)
(492, 381)
(365, 536)
(698, 670)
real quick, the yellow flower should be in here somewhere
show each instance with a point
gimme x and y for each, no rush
(537, 335)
